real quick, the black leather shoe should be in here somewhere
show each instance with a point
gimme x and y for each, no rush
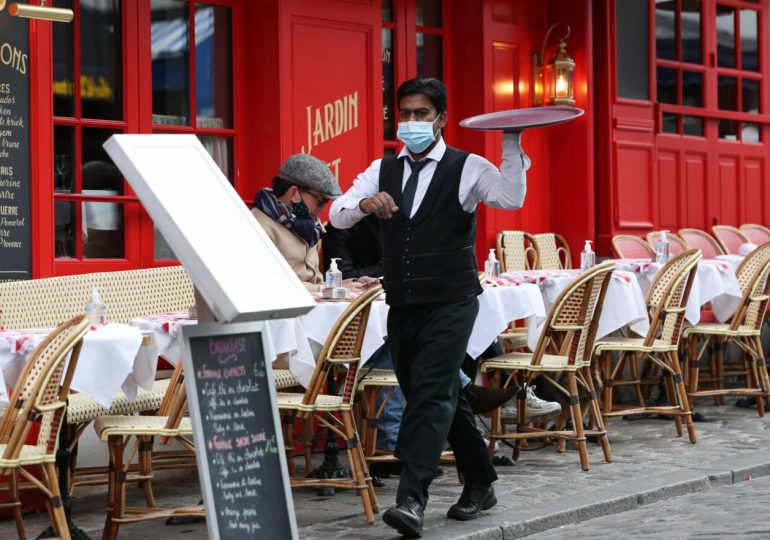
(484, 399)
(406, 518)
(474, 499)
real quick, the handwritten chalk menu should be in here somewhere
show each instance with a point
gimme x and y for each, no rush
(15, 242)
(239, 447)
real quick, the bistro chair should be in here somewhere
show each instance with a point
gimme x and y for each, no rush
(666, 304)
(516, 250)
(743, 331)
(627, 246)
(553, 251)
(676, 245)
(40, 398)
(758, 234)
(341, 352)
(730, 238)
(697, 239)
(564, 347)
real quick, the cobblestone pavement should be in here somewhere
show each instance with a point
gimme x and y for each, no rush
(734, 511)
(545, 489)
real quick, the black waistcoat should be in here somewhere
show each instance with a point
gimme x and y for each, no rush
(430, 257)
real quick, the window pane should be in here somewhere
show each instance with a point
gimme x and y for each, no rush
(726, 36)
(170, 63)
(728, 93)
(692, 89)
(387, 10)
(101, 77)
(64, 223)
(63, 65)
(728, 130)
(429, 13)
(213, 67)
(388, 86)
(667, 85)
(670, 123)
(665, 33)
(388, 152)
(692, 125)
(633, 49)
(750, 132)
(750, 96)
(429, 56)
(63, 163)
(691, 46)
(162, 251)
(749, 58)
(221, 150)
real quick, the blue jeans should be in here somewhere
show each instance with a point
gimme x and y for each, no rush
(390, 419)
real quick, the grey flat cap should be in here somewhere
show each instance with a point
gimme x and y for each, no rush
(310, 172)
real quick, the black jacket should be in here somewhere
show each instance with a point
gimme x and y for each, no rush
(359, 248)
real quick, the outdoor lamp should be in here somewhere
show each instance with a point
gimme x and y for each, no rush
(553, 83)
(39, 12)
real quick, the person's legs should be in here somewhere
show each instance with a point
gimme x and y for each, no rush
(390, 418)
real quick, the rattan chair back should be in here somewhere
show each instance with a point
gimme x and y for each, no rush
(126, 294)
(553, 251)
(730, 238)
(697, 239)
(676, 245)
(758, 234)
(752, 276)
(516, 250)
(575, 315)
(41, 394)
(667, 297)
(343, 347)
(627, 246)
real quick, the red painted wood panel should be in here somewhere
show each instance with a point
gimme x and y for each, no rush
(728, 191)
(634, 167)
(753, 192)
(695, 191)
(668, 190)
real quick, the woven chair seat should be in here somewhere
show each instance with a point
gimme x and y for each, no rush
(29, 455)
(284, 379)
(378, 377)
(323, 402)
(107, 426)
(82, 408)
(620, 343)
(523, 361)
(514, 339)
(720, 330)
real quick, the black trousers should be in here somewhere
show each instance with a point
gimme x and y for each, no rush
(428, 344)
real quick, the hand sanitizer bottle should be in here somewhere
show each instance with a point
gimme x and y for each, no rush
(492, 266)
(95, 309)
(333, 276)
(587, 257)
(662, 249)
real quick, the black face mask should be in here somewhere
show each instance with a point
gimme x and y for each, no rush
(300, 210)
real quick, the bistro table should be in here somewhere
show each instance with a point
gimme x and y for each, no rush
(112, 358)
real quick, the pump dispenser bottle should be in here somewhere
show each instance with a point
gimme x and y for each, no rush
(492, 266)
(662, 248)
(587, 257)
(333, 276)
(95, 309)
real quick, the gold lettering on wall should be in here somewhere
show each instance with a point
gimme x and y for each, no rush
(330, 120)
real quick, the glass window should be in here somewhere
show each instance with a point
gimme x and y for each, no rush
(213, 67)
(692, 125)
(429, 13)
(387, 10)
(728, 93)
(692, 89)
(691, 32)
(670, 123)
(63, 65)
(750, 132)
(726, 37)
(728, 130)
(429, 56)
(101, 69)
(632, 49)
(170, 63)
(388, 86)
(750, 96)
(665, 29)
(749, 41)
(667, 85)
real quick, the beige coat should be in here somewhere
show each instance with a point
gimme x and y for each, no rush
(302, 258)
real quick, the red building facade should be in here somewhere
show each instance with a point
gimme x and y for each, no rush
(675, 131)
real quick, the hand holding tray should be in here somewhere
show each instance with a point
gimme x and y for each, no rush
(517, 120)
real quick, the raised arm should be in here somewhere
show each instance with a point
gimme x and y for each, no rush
(503, 188)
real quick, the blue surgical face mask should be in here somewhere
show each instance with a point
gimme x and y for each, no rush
(417, 136)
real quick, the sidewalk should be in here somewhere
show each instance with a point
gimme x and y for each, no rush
(543, 491)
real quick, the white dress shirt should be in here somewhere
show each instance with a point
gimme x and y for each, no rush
(480, 181)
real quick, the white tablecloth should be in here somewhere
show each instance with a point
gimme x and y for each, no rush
(111, 358)
(714, 282)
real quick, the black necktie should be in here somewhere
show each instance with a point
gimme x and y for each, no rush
(411, 186)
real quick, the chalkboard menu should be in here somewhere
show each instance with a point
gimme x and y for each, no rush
(239, 447)
(15, 182)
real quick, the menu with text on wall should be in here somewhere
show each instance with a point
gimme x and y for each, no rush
(240, 452)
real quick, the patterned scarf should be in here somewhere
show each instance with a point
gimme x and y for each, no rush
(293, 218)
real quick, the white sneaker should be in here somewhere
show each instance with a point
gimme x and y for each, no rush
(538, 410)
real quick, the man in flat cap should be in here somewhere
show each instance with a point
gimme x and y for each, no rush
(289, 213)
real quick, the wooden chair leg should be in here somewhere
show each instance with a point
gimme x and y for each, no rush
(684, 403)
(672, 400)
(355, 455)
(307, 441)
(596, 415)
(145, 469)
(117, 488)
(14, 496)
(60, 518)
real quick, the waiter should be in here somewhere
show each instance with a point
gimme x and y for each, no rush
(426, 199)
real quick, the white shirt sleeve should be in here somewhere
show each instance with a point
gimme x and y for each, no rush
(345, 211)
(505, 188)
